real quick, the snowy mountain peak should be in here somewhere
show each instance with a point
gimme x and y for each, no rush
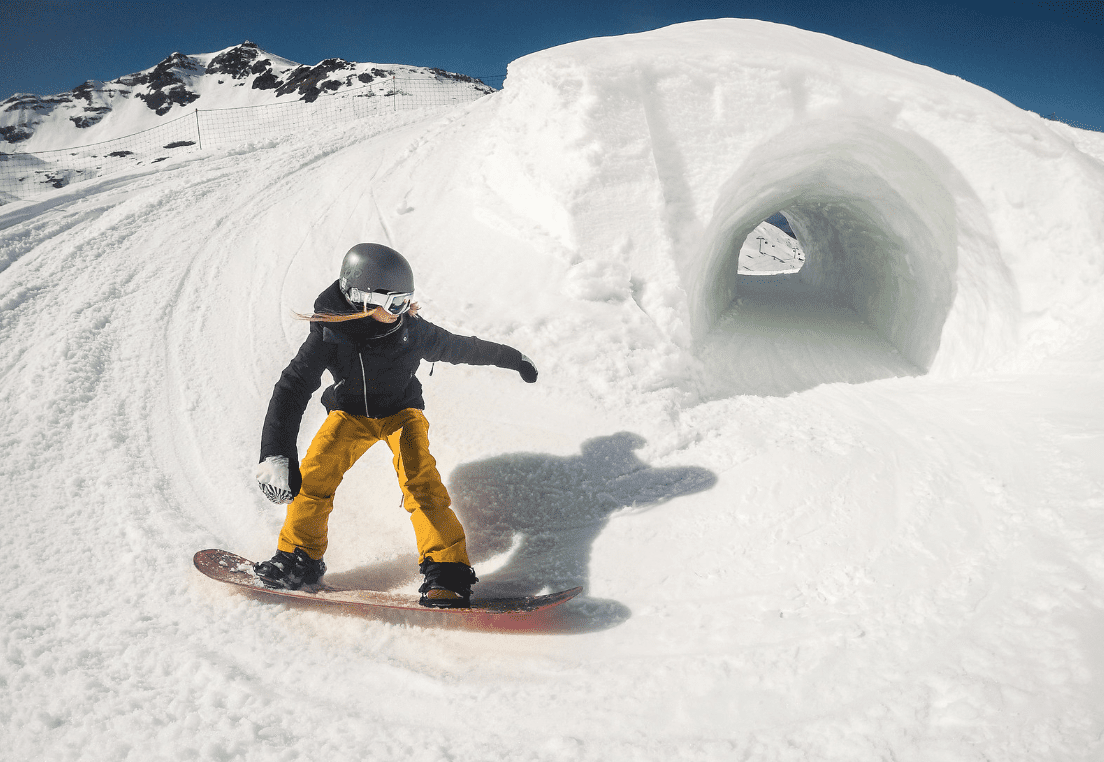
(165, 85)
(237, 61)
(242, 75)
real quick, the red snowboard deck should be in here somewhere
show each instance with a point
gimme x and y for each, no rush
(485, 613)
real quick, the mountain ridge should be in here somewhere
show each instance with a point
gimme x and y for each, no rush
(96, 110)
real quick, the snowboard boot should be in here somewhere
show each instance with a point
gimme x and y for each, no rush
(447, 585)
(290, 570)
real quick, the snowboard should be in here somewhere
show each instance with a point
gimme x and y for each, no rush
(227, 567)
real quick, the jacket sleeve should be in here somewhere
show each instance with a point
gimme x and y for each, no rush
(300, 379)
(441, 346)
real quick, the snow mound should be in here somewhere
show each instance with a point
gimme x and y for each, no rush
(952, 222)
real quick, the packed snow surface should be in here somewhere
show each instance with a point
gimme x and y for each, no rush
(849, 513)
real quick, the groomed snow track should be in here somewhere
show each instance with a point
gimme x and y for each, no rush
(792, 546)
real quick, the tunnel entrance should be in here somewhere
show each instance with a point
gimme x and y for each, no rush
(877, 227)
(783, 333)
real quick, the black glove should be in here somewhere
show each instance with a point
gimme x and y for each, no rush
(527, 370)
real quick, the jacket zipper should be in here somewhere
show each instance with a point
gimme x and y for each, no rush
(364, 378)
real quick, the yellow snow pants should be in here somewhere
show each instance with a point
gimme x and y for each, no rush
(341, 440)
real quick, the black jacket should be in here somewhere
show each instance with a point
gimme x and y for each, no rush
(372, 364)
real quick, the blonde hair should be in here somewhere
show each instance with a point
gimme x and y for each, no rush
(331, 317)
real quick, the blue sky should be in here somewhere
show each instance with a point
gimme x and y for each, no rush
(1044, 56)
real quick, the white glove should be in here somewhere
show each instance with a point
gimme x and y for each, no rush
(272, 477)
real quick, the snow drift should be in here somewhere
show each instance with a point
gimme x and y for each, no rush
(848, 514)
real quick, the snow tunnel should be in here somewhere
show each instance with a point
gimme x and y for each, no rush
(875, 212)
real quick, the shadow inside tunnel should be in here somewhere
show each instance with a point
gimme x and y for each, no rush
(782, 336)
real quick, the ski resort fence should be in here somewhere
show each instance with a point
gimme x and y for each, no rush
(25, 175)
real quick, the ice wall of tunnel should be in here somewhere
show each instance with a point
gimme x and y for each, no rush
(874, 214)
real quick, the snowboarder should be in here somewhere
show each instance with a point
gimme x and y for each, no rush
(367, 333)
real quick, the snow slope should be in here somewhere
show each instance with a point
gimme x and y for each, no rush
(769, 250)
(854, 515)
(221, 99)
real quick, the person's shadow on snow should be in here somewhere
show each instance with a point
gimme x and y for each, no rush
(548, 510)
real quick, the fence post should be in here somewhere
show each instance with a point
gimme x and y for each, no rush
(199, 132)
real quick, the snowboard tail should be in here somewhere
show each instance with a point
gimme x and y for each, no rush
(232, 569)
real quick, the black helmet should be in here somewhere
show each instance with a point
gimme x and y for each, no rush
(372, 268)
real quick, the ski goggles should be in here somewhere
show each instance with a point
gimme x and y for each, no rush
(394, 303)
